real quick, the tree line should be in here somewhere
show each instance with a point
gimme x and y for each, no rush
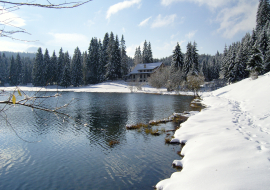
(104, 60)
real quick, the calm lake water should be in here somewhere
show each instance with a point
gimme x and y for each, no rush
(71, 155)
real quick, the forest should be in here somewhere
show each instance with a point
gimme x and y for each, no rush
(107, 60)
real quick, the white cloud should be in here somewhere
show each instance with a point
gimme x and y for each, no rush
(67, 40)
(119, 6)
(15, 46)
(191, 34)
(210, 3)
(124, 30)
(239, 18)
(144, 22)
(10, 18)
(163, 21)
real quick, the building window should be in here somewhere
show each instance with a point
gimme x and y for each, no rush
(140, 76)
(134, 76)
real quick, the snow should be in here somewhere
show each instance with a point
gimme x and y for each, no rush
(228, 143)
(105, 87)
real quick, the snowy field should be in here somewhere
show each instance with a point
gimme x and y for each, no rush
(228, 143)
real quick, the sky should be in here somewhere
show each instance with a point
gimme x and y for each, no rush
(163, 23)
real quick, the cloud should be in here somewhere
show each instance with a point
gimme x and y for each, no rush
(67, 39)
(209, 3)
(124, 30)
(144, 22)
(10, 18)
(14, 46)
(191, 34)
(239, 18)
(120, 6)
(163, 21)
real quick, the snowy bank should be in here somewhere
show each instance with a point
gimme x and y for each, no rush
(228, 143)
(105, 87)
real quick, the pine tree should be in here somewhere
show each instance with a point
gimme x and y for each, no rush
(177, 59)
(66, 76)
(150, 54)
(60, 65)
(13, 80)
(263, 14)
(145, 56)
(93, 62)
(254, 63)
(76, 68)
(110, 67)
(103, 57)
(84, 66)
(195, 60)
(117, 59)
(263, 44)
(124, 58)
(188, 63)
(47, 67)
(54, 68)
(38, 70)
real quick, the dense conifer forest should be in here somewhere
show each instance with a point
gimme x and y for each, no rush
(107, 60)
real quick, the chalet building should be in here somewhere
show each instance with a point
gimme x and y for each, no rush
(142, 71)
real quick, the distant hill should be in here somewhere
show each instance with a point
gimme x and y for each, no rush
(22, 54)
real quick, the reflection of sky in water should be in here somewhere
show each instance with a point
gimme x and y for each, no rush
(71, 155)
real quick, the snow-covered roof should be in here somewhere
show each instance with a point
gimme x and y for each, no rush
(145, 66)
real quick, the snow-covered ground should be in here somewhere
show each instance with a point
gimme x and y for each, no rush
(228, 143)
(105, 87)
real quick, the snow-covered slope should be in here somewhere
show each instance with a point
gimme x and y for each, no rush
(228, 143)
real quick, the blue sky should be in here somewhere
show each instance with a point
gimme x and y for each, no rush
(211, 23)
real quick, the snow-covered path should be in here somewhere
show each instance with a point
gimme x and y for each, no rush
(228, 143)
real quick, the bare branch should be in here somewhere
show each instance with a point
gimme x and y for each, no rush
(52, 6)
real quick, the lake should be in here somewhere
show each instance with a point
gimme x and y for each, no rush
(75, 153)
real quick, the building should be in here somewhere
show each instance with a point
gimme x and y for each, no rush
(142, 71)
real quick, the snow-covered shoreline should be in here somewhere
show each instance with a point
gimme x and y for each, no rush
(105, 87)
(228, 143)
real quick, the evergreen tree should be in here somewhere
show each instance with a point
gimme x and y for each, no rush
(117, 59)
(254, 63)
(138, 56)
(103, 57)
(150, 54)
(60, 65)
(66, 76)
(93, 62)
(263, 44)
(76, 68)
(47, 67)
(53, 67)
(195, 59)
(263, 14)
(188, 63)
(110, 67)
(124, 58)
(38, 70)
(177, 59)
(145, 55)
(84, 66)
(13, 80)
